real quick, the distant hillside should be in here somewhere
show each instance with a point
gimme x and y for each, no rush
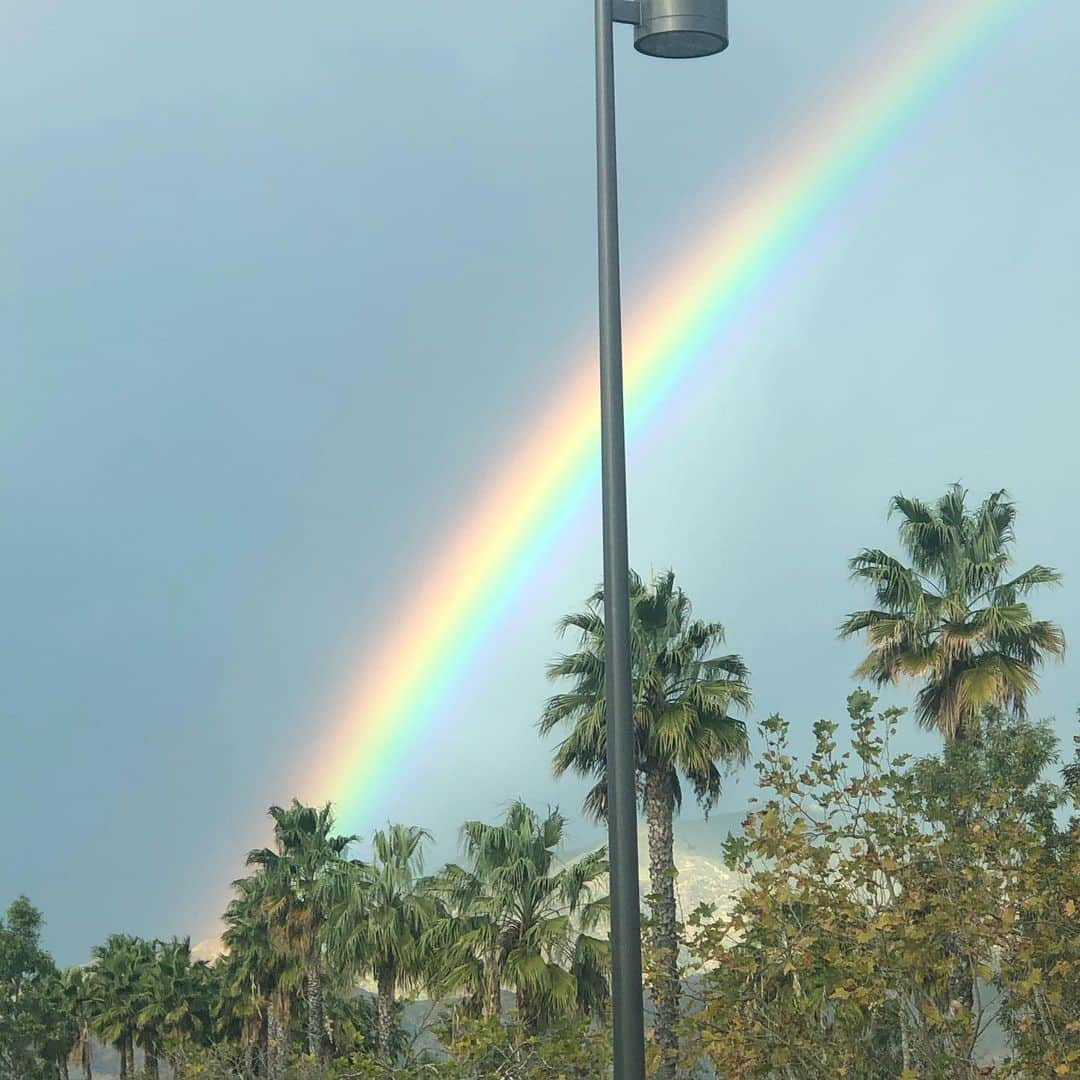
(699, 858)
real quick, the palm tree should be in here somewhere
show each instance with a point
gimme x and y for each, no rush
(951, 619)
(63, 1027)
(305, 850)
(115, 994)
(237, 1017)
(77, 992)
(262, 974)
(150, 1012)
(516, 916)
(683, 697)
(465, 944)
(176, 1006)
(378, 915)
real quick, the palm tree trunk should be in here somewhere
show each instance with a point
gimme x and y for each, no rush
(523, 1024)
(86, 1055)
(316, 1028)
(387, 981)
(64, 1068)
(150, 1062)
(250, 1040)
(131, 1055)
(285, 1042)
(278, 1034)
(660, 816)
(263, 1063)
(492, 989)
(121, 1045)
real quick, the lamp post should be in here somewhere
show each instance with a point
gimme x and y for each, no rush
(677, 29)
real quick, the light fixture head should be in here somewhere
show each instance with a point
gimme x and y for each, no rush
(681, 29)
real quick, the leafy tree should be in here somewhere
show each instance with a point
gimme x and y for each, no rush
(378, 914)
(520, 918)
(1039, 973)
(1071, 773)
(488, 1050)
(33, 1024)
(306, 849)
(952, 619)
(874, 887)
(683, 699)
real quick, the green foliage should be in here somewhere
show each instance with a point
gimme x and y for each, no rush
(377, 916)
(515, 918)
(1071, 773)
(952, 619)
(480, 1050)
(884, 911)
(34, 1035)
(683, 694)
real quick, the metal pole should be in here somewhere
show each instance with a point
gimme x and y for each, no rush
(627, 1009)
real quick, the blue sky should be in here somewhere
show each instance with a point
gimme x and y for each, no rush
(278, 284)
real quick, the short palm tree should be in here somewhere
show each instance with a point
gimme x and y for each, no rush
(236, 1020)
(378, 914)
(62, 1038)
(176, 1009)
(77, 993)
(115, 993)
(263, 975)
(518, 917)
(952, 619)
(683, 700)
(305, 850)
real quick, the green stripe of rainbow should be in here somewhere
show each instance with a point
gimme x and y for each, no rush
(479, 568)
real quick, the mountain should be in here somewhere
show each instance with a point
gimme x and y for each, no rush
(699, 858)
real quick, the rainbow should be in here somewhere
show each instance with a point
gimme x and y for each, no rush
(466, 587)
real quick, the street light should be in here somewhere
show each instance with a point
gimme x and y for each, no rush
(678, 29)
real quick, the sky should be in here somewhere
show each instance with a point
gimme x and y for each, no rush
(281, 284)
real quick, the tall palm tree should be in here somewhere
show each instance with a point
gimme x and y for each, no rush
(305, 849)
(77, 992)
(379, 912)
(952, 619)
(683, 698)
(520, 918)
